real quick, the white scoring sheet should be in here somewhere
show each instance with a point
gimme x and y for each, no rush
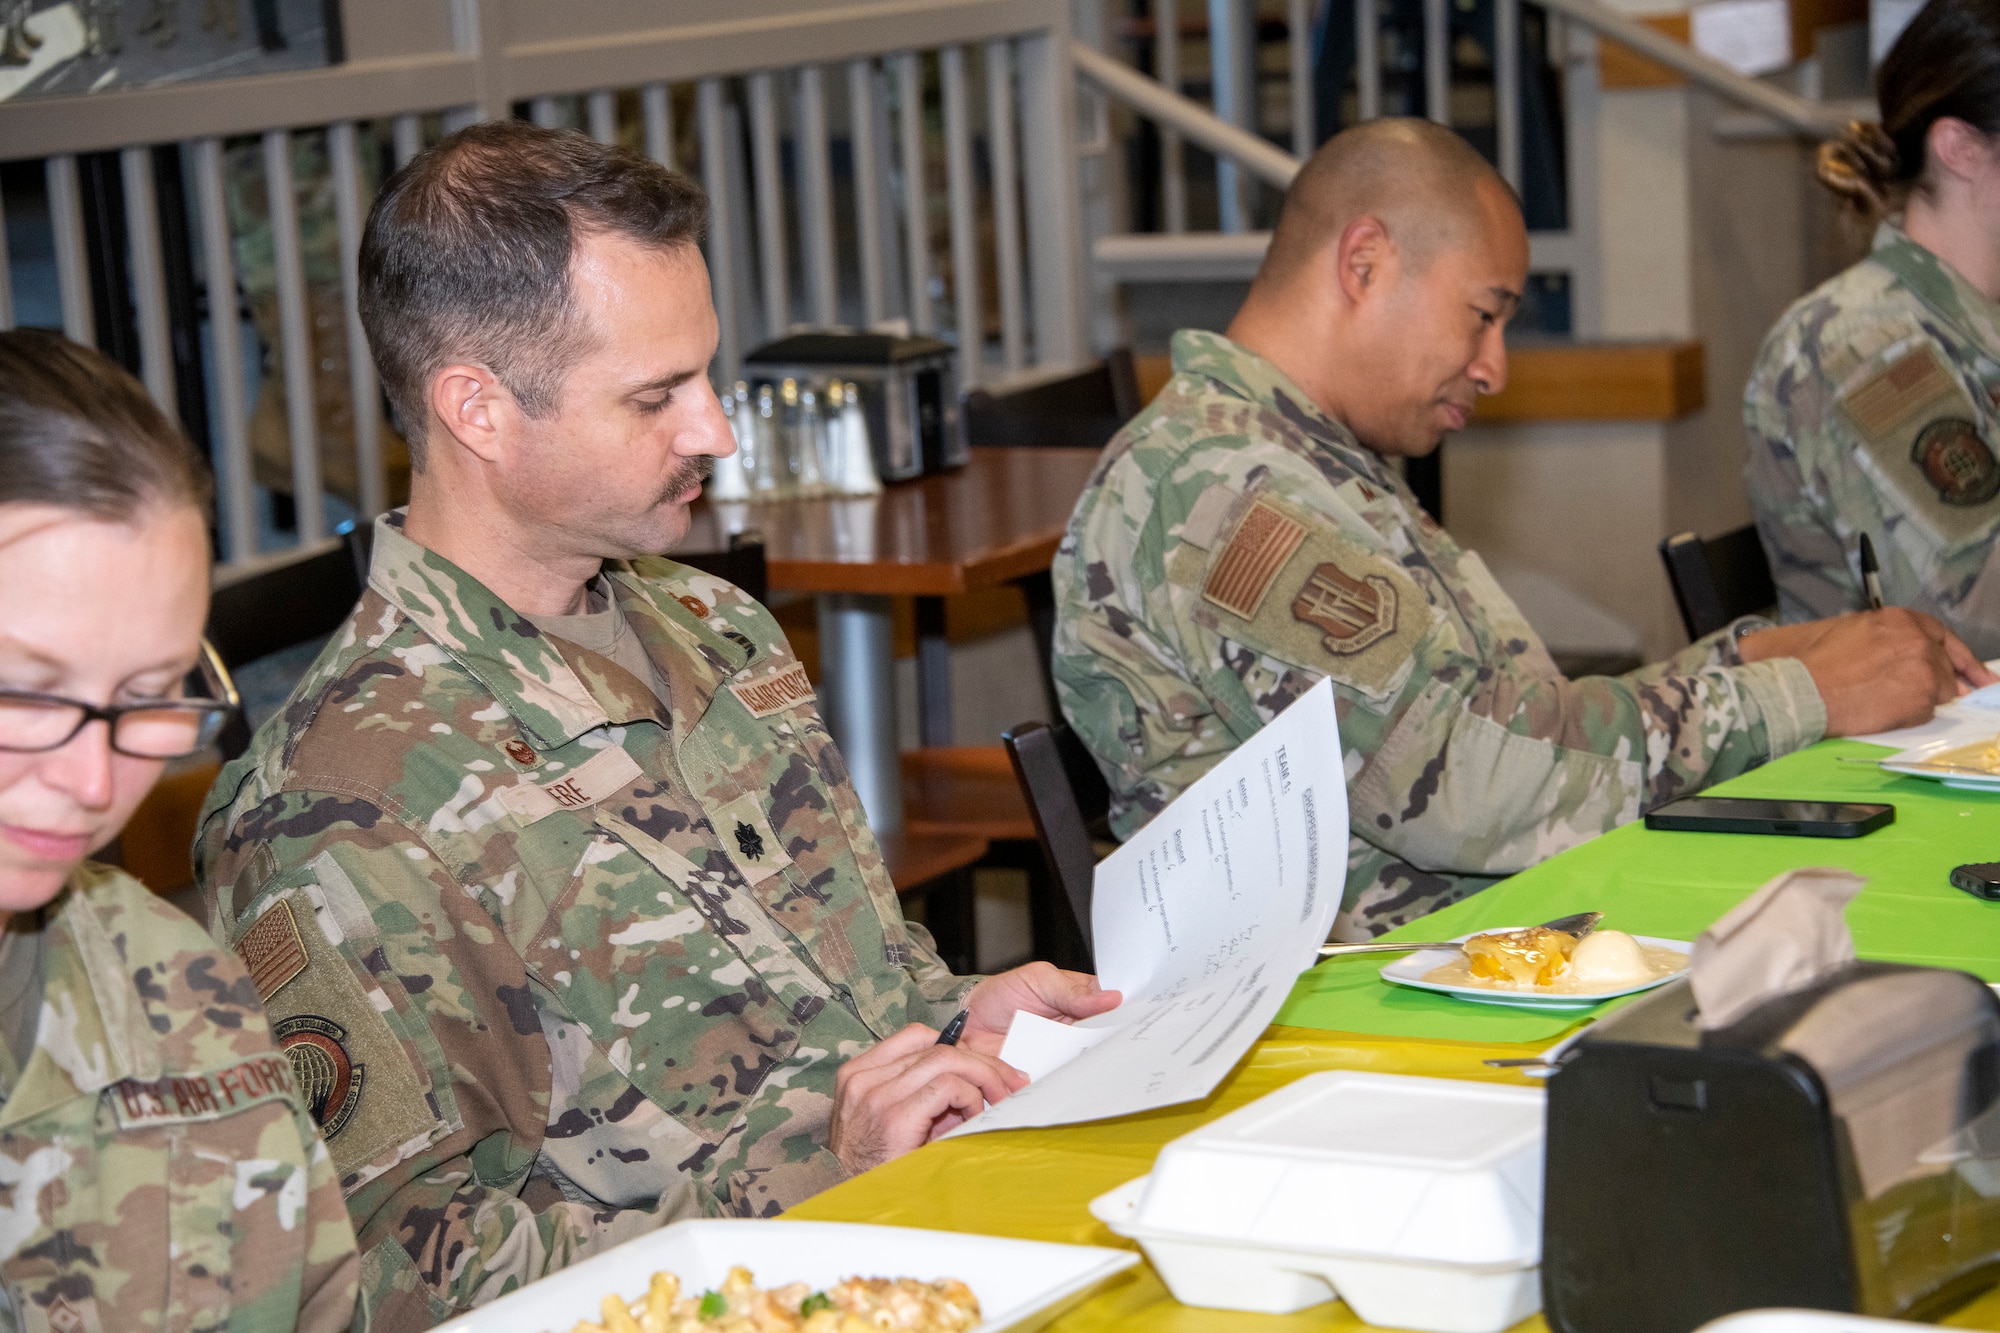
(1203, 920)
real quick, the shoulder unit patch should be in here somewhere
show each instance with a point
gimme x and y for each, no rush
(328, 1080)
(1956, 462)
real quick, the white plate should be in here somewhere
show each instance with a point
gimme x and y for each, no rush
(1799, 1321)
(1409, 971)
(1908, 762)
(1021, 1284)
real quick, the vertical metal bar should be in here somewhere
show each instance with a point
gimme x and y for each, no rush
(1229, 72)
(816, 197)
(1298, 23)
(602, 108)
(6, 272)
(1368, 58)
(867, 186)
(916, 191)
(149, 277)
(858, 692)
(1507, 87)
(722, 225)
(218, 262)
(1006, 200)
(656, 107)
(344, 160)
(294, 335)
(1583, 109)
(772, 259)
(1173, 161)
(407, 134)
(964, 221)
(72, 261)
(1055, 214)
(544, 112)
(1437, 62)
(933, 673)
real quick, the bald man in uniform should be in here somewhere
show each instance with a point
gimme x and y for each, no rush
(1250, 533)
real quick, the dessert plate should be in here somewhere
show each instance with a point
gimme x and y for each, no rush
(1410, 972)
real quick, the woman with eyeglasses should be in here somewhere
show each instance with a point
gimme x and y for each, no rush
(158, 1168)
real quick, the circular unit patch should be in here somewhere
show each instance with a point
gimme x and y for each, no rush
(328, 1080)
(1956, 462)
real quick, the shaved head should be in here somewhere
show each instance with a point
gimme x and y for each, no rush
(1418, 179)
(1396, 264)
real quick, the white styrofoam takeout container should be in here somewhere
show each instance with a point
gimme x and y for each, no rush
(1417, 1200)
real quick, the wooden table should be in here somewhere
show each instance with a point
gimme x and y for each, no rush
(996, 520)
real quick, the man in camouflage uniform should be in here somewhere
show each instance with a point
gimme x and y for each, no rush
(550, 868)
(1249, 533)
(1873, 410)
(152, 1055)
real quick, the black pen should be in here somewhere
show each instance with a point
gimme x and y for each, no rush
(1871, 574)
(954, 1029)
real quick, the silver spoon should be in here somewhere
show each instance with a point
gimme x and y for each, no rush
(1579, 925)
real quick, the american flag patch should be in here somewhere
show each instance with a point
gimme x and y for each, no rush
(272, 951)
(1263, 541)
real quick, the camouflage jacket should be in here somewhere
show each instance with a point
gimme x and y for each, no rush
(1872, 410)
(158, 1169)
(570, 967)
(1235, 545)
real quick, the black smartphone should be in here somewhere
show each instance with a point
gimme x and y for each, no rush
(1798, 819)
(1981, 880)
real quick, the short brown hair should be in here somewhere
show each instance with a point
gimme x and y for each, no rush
(1945, 63)
(467, 251)
(77, 431)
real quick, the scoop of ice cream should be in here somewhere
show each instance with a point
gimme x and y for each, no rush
(1609, 958)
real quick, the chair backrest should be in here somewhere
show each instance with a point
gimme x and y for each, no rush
(743, 564)
(1719, 579)
(1065, 793)
(1080, 411)
(278, 606)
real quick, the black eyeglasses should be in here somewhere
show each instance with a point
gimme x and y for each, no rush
(155, 729)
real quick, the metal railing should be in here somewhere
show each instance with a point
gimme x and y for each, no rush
(929, 221)
(1243, 150)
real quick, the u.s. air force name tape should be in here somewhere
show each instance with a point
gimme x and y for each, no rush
(180, 1098)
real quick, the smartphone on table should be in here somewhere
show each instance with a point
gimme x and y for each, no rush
(1797, 819)
(1981, 879)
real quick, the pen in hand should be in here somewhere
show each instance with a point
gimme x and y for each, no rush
(954, 1029)
(1871, 574)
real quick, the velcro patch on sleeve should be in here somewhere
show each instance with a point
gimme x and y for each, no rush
(1895, 396)
(585, 785)
(765, 695)
(272, 951)
(1263, 541)
(180, 1098)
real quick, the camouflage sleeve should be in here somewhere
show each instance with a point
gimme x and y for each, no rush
(1807, 556)
(420, 1047)
(332, 1268)
(1463, 758)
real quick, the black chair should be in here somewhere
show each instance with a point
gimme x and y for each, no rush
(1718, 579)
(743, 564)
(1080, 411)
(280, 606)
(1068, 799)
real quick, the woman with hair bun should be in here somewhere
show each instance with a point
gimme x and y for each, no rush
(159, 1167)
(1872, 410)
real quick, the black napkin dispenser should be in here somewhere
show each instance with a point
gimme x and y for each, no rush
(1838, 1148)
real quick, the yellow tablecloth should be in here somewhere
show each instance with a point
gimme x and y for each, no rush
(1037, 1183)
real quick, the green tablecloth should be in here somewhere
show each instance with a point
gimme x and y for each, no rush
(1675, 884)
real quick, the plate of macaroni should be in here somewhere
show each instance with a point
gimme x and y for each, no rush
(774, 1276)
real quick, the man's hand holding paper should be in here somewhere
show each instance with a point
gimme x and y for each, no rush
(1202, 922)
